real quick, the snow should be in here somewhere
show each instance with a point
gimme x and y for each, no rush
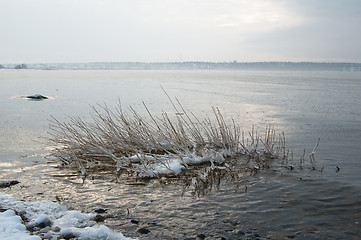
(154, 165)
(11, 227)
(167, 164)
(49, 216)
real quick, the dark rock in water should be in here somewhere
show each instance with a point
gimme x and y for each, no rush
(99, 218)
(100, 210)
(201, 236)
(36, 97)
(240, 232)
(134, 221)
(143, 231)
(5, 184)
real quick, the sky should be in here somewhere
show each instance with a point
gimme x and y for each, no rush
(52, 31)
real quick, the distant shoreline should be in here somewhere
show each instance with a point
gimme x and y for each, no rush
(301, 66)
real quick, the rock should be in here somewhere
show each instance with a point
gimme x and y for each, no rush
(240, 232)
(99, 218)
(143, 231)
(5, 184)
(48, 235)
(56, 229)
(45, 229)
(100, 210)
(43, 221)
(22, 214)
(134, 221)
(201, 236)
(36, 97)
(66, 234)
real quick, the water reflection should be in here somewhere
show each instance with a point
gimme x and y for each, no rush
(277, 203)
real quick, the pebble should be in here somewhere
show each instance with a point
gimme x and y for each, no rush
(66, 234)
(48, 235)
(22, 214)
(240, 232)
(56, 229)
(201, 236)
(44, 223)
(143, 231)
(99, 218)
(134, 221)
(101, 210)
(45, 229)
(5, 184)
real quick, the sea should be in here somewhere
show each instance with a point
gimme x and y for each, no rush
(282, 202)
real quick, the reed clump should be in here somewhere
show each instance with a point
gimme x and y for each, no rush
(169, 146)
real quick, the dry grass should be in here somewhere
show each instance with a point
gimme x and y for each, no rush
(120, 141)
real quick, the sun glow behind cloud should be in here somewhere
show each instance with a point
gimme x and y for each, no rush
(258, 16)
(261, 15)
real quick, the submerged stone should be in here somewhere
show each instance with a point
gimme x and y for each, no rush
(143, 231)
(99, 218)
(5, 184)
(201, 236)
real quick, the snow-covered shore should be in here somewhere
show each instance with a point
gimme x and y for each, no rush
(48, 220)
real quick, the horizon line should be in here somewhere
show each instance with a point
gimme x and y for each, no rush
(180, 62)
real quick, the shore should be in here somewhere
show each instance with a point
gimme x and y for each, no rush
(48, 220)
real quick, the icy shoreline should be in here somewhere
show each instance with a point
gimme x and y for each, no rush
(48, 220)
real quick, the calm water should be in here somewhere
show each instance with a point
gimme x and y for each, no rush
(278, 203)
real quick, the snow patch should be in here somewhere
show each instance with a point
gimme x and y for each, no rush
(11, 227)
(49, 215)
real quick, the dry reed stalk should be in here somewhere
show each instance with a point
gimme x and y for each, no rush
(312, 155)
(127, 141)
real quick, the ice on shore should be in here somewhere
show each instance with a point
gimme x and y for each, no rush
(53, 219)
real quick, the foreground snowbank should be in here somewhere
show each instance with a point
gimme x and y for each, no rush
(49, 220)
(11, 227)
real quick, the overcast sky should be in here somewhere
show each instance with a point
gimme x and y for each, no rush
(40, 31)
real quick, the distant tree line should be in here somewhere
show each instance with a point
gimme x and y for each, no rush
(234, 65)
(19, 66)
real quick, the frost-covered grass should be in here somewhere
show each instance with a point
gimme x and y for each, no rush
(173, 145)
(50, 221)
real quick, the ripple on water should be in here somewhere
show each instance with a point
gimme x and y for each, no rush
(275, 203)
